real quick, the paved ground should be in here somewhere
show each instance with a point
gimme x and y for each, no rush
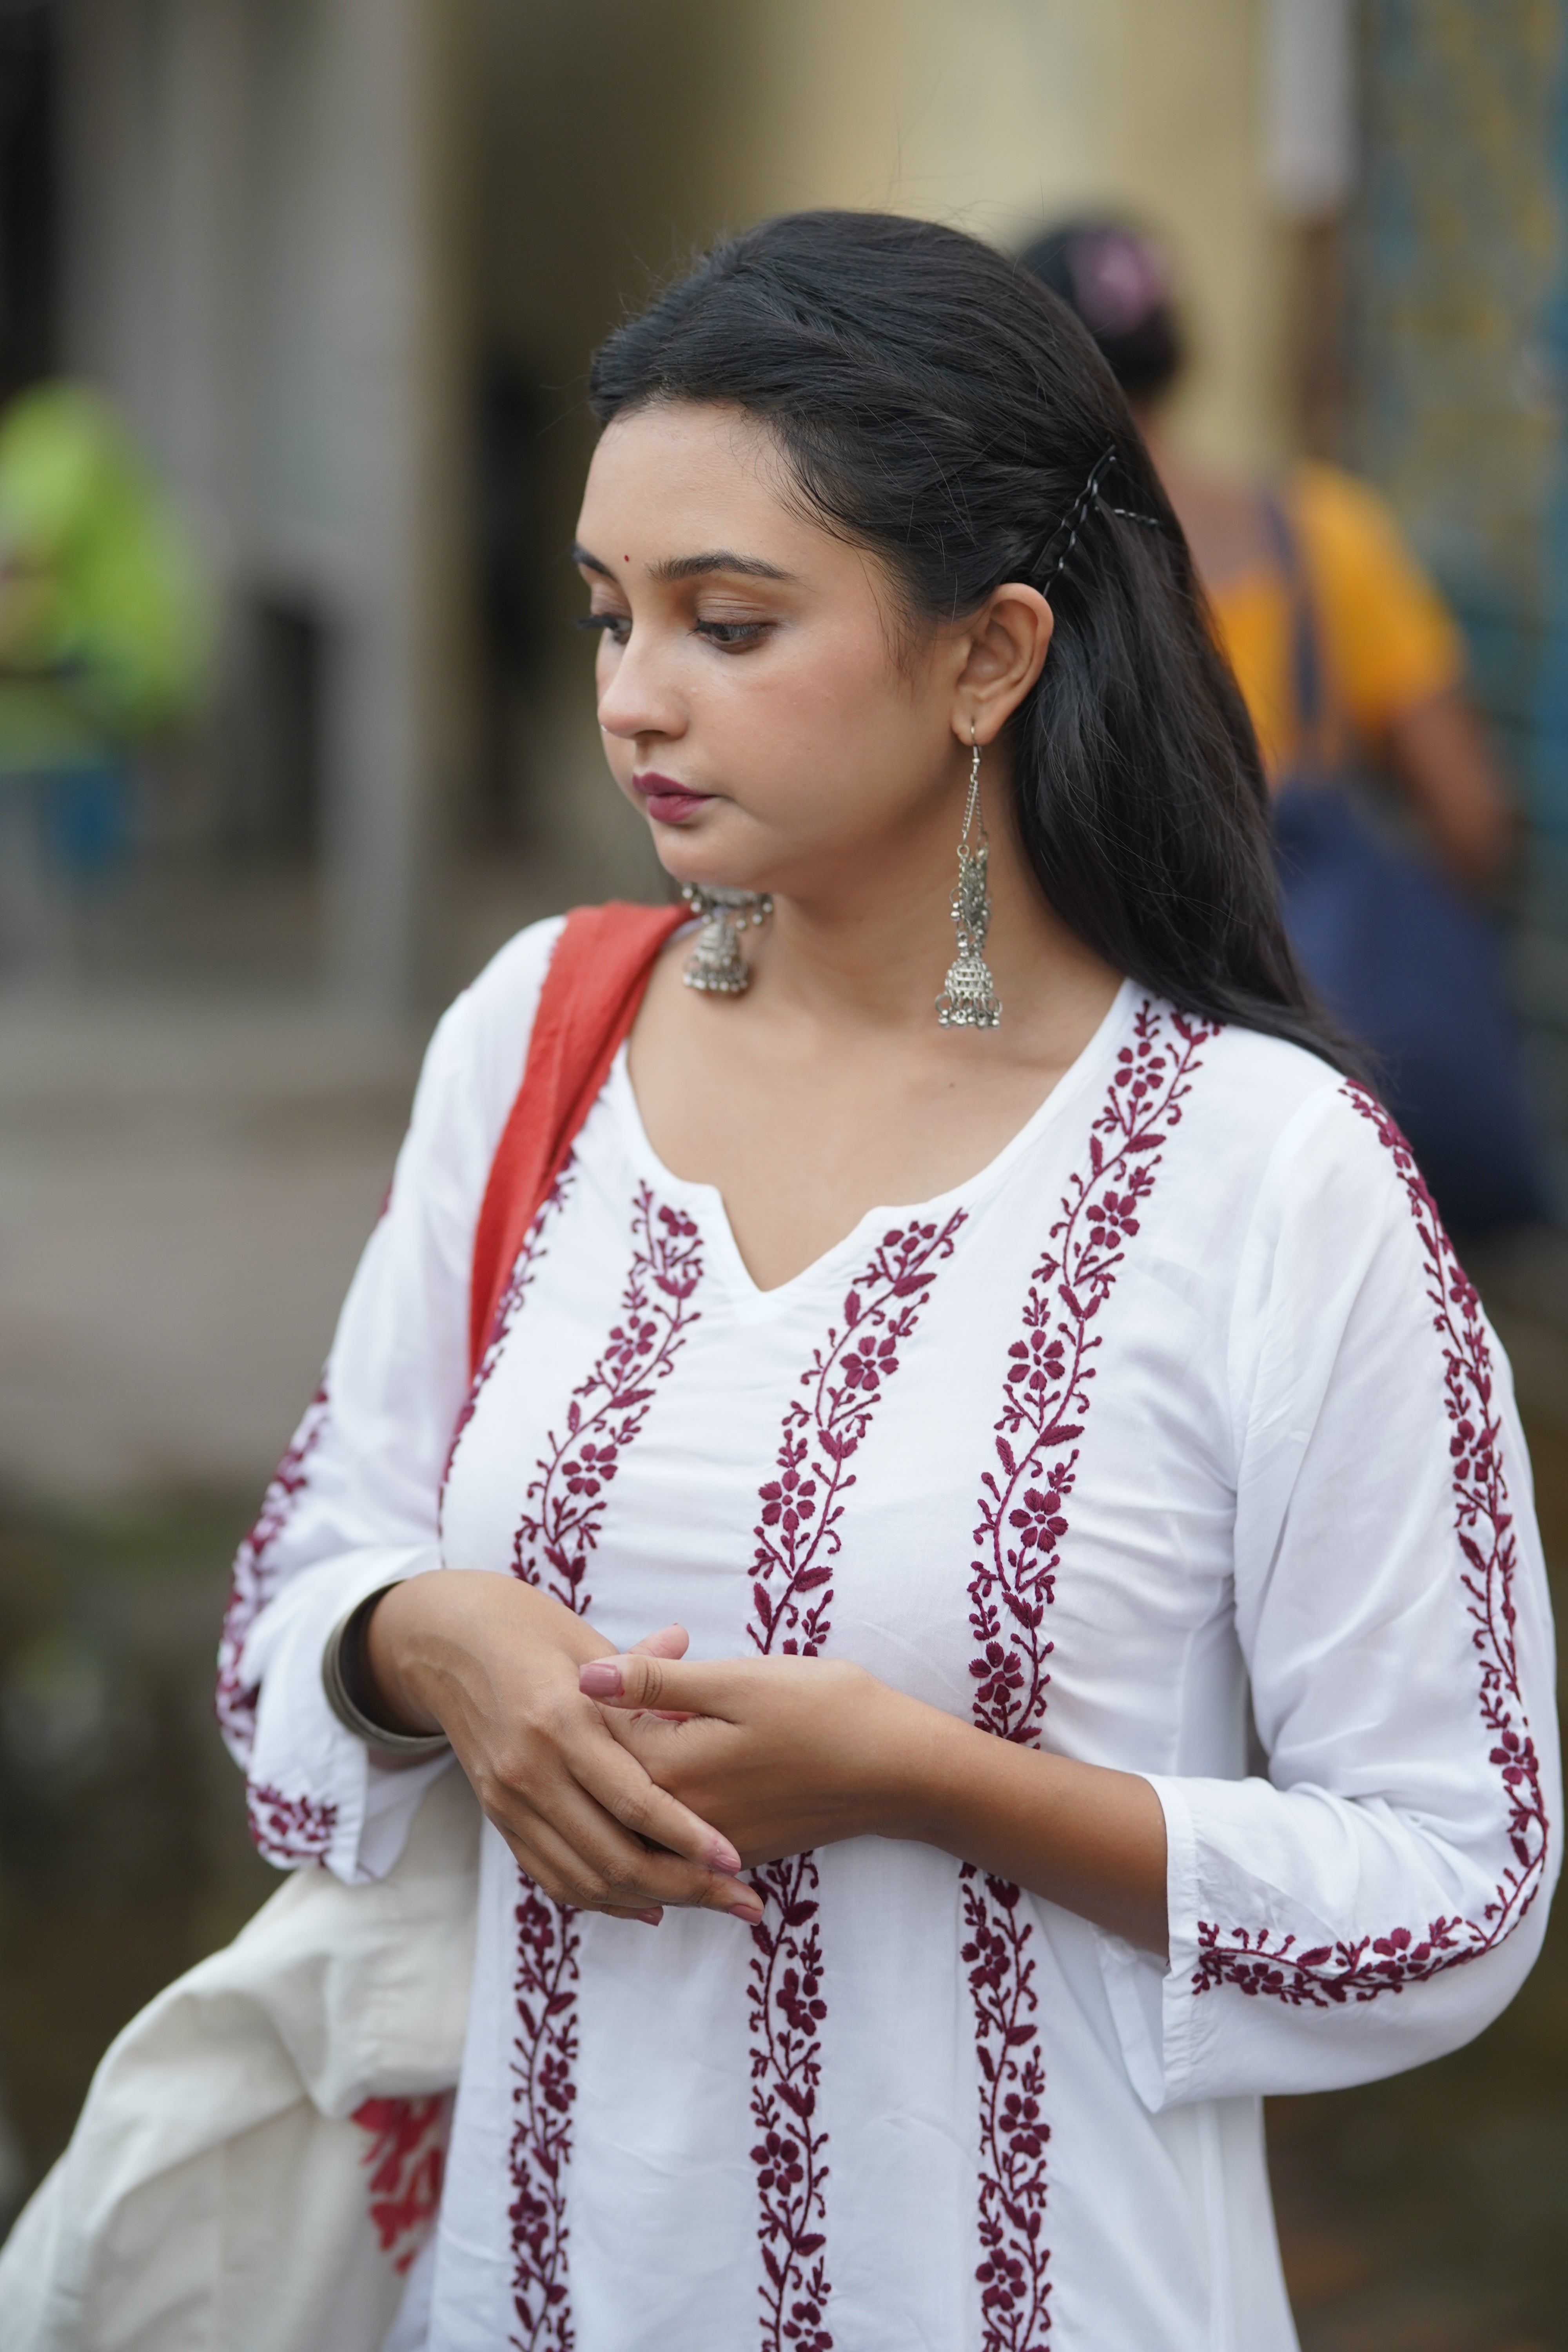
(184, 1191)
(192, 1154)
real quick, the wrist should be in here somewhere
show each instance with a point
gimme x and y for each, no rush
(425, 1636)
(356, 1701)
(387, 1649)
(916, 1764)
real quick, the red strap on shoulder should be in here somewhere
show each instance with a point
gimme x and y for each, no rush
(595, 983)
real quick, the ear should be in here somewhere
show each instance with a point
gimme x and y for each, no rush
(1008, 641)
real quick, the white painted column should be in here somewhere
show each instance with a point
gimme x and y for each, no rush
(375, 187)
(359, 455)
(1308, 107)
(262, 265)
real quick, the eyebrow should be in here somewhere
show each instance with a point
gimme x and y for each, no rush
(690, 567)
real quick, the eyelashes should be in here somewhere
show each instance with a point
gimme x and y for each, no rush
(730, 636)
(733, 633)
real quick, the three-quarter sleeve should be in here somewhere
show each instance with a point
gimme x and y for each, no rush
(355, 1503)
(1380, 1895)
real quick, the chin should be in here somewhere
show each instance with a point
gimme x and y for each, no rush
(697, 852)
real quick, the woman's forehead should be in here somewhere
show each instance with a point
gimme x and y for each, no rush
(674, 483)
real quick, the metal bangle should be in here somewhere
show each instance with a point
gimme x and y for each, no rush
(347, 1635)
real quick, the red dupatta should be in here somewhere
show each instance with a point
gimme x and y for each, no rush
(595, 983)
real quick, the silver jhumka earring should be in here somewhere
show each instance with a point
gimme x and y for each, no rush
(969, 999)
(716, 965)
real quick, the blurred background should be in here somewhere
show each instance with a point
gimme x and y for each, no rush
(296, 302)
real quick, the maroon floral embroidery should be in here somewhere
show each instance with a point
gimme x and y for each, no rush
(1022, 1508)
(567, 1500)
(405, 2160)
(1359, 1969)
(555, 1538)
(787, 2012)
(1014, 2270)
(287, 1829)
(798, 1539)
(519, 1282)
(254, 1577)
(546, 2054)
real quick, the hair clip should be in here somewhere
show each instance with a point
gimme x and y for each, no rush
(1077, 514)
(1073, 520)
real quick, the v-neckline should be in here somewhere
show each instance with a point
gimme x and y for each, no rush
(707, 1203)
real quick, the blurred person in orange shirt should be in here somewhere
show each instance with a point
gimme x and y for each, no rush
(1348, 662)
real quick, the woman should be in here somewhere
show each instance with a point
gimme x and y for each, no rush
(995, 1522)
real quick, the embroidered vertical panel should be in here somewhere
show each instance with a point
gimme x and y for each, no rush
(1023, 1518)
(1362, 1968)
(254, 1577)
(555, 1540)
(798, 1539)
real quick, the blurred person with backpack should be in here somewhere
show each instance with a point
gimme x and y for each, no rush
(1352, 668)
(102, 643)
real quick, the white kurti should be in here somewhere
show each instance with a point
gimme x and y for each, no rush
(1178, 1418)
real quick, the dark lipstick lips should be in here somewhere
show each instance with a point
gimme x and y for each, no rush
(668, 800)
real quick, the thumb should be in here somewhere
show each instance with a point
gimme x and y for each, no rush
(639, 1680)
(670, 1642)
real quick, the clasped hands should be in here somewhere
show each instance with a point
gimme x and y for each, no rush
(624, 1783)
(777, 1754)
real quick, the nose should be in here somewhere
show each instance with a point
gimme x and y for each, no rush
(638, 698)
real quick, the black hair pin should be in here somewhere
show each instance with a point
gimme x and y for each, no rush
(1072, 523)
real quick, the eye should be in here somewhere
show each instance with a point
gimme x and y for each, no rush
(733, 636)
(616, 627)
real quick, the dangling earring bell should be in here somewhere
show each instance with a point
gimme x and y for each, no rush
(716, 965)
(969, 999)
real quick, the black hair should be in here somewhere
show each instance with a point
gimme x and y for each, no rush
(1112, 277)
(939, 408)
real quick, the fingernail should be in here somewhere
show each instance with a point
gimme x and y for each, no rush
(650, 1918)
(724, 1857)
(746, 1914)
(600, 1678)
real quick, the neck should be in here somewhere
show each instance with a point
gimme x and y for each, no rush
(870, 951)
